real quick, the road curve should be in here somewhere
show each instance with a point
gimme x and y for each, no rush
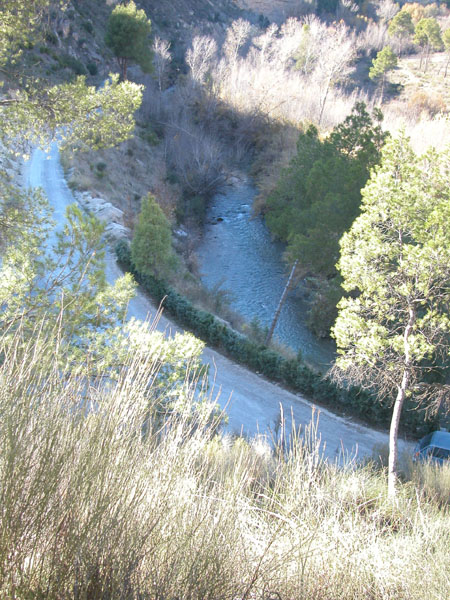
(252, 403)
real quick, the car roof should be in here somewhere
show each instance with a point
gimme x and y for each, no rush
(441, 439)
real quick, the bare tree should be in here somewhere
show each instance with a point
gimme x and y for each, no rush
(201, 56)
(334, 62)
(195, 156)
(265, 43)
(386, 10)
(161, 60)
(237, 34)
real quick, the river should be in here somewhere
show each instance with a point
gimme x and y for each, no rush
(237, 253)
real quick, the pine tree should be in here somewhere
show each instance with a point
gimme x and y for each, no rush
(393, 330)
(428, 36)
(151, 248)
(127, 35)
(385, 61)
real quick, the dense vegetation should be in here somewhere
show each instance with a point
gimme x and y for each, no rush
(293, 372)
(103, 506)
(318, 197)
(114, 479)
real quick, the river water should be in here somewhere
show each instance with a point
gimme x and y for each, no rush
(237, 253)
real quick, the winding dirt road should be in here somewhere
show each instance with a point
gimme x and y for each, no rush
(252, 403)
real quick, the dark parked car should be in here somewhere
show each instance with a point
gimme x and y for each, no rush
(434, 447)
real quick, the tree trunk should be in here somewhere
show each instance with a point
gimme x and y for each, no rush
(382, 87)
(393, 437)
(280, 304)
(398, 405)
(123, 64)
(322, 104)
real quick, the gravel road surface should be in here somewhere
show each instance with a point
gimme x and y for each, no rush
(252, 403)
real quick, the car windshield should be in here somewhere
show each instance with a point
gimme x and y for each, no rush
(441, 453)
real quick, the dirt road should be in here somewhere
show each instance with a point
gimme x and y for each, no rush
(252, 403)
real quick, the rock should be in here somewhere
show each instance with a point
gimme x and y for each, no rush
(180, 233)
(115, 232)
(104, 211)
(107, 213)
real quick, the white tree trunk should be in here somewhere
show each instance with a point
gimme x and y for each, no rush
(398, 405)
(280, 304)
(393, 437)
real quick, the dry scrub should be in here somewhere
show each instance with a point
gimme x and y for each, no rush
(103, 497)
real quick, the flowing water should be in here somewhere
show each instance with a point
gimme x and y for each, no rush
(237, 254)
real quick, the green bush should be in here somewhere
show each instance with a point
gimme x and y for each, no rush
(92, 68)
(51, 37)
(66, 60)
(293, 373)
(87, 26)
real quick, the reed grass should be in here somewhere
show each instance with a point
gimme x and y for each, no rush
(102, 497)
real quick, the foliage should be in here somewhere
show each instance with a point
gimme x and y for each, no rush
(291, 372)
(45, 275)
(428, 36)
(32, 111)
(385, 61)
(393, 332)
(151, 248)
(52, 279)
(317, 197)
(113, 503)
(127, 35)
(19, 24)
(401, 25)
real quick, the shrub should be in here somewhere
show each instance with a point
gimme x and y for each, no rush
(51, 37)
(100, 504)
(66, 60)
(92, 68)
(293, 373)
(422, 103)
(87, 26)
(151, 248)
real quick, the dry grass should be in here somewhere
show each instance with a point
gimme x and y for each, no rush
(96, 505)
(130, 171)
(423, 106)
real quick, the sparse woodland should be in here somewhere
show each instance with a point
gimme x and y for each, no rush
(116, 481)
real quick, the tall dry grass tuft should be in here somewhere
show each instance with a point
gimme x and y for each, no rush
(102, 496)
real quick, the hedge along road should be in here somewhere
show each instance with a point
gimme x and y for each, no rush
(252, 403)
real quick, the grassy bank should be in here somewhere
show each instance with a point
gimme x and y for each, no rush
(95, 505)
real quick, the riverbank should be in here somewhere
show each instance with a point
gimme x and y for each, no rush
(236, 254)
(295, 374)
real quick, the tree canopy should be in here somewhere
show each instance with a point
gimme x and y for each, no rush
(53, 287)
(401, 25)
(393, 331)
(385, 61)
(427, 35)
(151, 248)
(127, 35)
(318, 195)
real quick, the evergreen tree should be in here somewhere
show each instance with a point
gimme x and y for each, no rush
(127, 35)
(151, 248)
(318, 196)
(385, 61)
(56, 291)
(446, 42)
(428, 36)
(401, 28)
(393, 330)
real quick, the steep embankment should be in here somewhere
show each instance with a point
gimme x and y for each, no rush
(252, 403)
